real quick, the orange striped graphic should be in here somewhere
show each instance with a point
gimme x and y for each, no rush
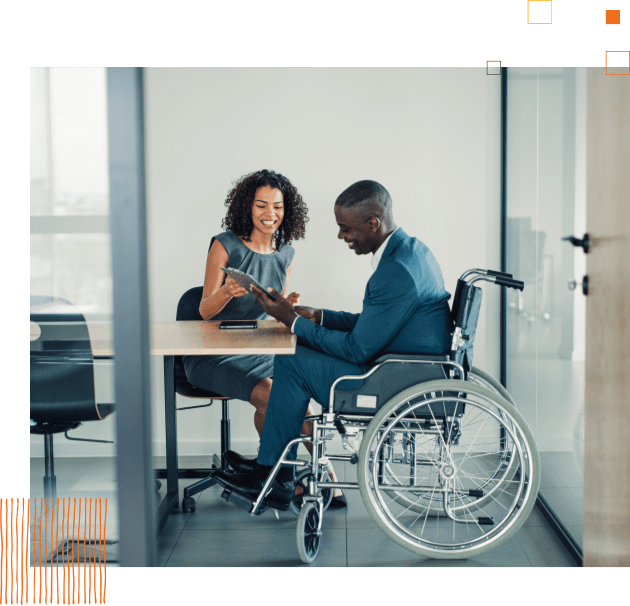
(17, 554)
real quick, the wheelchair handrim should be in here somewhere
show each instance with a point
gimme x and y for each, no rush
(521, 494)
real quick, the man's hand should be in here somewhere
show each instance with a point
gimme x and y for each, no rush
(280, 309)
(310, 313)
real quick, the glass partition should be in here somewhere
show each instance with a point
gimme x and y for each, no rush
(72, 368)
(546, 192)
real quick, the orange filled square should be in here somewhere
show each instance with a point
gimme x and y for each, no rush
(613, 17)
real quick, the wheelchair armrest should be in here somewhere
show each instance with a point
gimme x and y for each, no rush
(394, 356)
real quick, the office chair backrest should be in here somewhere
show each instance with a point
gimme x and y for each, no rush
(188, 310)
(188, 306)
(62, 371)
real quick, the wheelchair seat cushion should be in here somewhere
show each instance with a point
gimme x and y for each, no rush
(368, 395)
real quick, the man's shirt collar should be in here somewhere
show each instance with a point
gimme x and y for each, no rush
(376, 258)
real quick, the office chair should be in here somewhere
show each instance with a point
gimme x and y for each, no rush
(188, 309)
(62, 379)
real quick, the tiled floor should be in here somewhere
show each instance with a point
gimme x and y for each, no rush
(550, 395)
(221, 534)
(562, 485)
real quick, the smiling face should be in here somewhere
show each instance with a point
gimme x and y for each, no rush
(359, 234)
(267, 210)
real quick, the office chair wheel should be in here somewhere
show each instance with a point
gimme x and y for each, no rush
(308, 532)
(480, 508)
(188, 504)
(301, 479)
(158, 485)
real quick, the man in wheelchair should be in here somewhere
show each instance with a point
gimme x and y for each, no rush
(447, 467)
(405, 311)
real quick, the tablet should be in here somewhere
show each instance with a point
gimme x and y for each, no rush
(244, 280)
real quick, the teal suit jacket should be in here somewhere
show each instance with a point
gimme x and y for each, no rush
(405, 310)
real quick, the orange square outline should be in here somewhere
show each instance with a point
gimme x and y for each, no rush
(538, 23)
(612, 16)
(628, 74)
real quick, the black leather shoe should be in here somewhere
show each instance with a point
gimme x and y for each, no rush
(238, 463)
(250, 485)
(338, 502)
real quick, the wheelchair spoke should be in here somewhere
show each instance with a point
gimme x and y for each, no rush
(426, 515)
(477, 465)
(471, 443)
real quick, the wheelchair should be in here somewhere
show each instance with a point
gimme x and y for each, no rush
(447, 467)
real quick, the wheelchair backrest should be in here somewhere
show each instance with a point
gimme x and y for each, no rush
(465, 314)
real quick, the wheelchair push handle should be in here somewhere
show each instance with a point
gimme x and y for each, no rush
(510, 282)
(498, 274)
(472, 275)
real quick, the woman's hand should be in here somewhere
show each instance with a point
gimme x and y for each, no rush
(294, 298)
(233, 288)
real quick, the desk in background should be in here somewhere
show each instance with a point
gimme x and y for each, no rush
(170, 339)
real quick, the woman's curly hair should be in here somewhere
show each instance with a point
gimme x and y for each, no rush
(240, 201)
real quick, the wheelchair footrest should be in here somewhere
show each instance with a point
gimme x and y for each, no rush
(242, 501)
(477, 493)
(276, 505)
(483, 521)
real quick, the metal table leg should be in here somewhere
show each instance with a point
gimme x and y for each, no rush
(171, 499)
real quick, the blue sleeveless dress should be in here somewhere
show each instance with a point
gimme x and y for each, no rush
(236, 376)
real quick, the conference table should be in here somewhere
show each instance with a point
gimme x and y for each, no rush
(193, 338)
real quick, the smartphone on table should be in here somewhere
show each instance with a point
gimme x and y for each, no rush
(231, 324)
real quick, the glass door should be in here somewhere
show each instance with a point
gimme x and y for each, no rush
(72, 427)
(88, 290)
(545, 327)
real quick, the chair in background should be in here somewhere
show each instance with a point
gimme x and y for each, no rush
(62, 378)
(188, 309)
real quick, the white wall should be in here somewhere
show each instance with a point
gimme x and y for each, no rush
(431, 136)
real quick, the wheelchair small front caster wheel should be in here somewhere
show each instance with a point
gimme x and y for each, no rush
(307, 533)
(188, 504)
(301, 480)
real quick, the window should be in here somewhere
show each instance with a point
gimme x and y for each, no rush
(70, 243)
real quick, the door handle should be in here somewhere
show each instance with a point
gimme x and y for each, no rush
(573, 285)
(585, 242)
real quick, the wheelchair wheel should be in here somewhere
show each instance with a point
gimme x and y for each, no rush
(308, 533)
(455, 503)
(506, 465)
(483, 379)
(301, 479)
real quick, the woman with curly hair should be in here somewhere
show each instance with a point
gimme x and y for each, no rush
(265, 214)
